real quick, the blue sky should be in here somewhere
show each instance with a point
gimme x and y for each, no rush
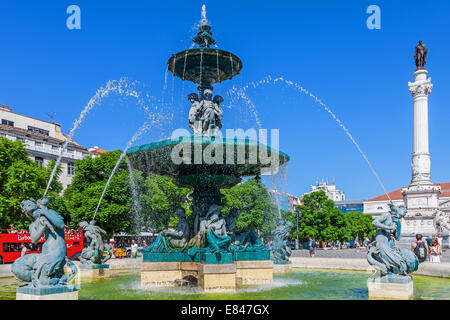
(325, 46)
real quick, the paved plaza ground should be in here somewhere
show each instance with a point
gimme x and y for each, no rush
(329, 258)
(350, 254)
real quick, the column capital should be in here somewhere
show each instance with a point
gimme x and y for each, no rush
(421, 88)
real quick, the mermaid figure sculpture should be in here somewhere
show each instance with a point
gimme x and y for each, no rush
(281, 251)
(388, 260)
(46, 269)
(93, 254)
(170, 240)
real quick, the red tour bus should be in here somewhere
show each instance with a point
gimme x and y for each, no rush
(10, 244)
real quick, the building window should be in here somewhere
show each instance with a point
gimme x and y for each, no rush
(70, 169)
(8, 123)
(39, 161)
(20, 139)
(41, 131)
(38, 144)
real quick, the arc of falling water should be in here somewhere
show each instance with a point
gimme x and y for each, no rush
(241, 93)
(138, 133)
(218, 72)
(120, 86)
(184, 71)
(201, 64)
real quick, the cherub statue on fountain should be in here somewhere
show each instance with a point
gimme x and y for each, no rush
(194, 114)
(205, 116)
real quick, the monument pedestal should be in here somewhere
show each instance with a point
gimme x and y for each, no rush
(254, 272)
(94, 271)
(391, 287)
(217, 277)
(282, 268)
(49, 293)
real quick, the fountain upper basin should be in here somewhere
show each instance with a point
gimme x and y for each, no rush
(202, 161)
(204, 64)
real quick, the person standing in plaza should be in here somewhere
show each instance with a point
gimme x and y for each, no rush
(420, 248)
(24, 250)
(439, 239)
(134, 248)
(311, 247)
(356, 243)
(113, 251)
(435, 251)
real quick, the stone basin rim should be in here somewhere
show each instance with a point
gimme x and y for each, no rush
(203, 140)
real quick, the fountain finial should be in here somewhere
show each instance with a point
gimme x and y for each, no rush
(204, 37)
(204, 20)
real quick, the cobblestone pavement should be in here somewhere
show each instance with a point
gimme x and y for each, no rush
(350, 254)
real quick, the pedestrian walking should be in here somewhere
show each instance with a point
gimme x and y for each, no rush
(311, 247)
(134, 248)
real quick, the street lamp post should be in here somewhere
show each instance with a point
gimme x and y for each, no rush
(296, 240)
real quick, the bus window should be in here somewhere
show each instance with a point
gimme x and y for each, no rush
(11, 247)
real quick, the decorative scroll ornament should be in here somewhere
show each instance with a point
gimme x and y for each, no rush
(420, 88)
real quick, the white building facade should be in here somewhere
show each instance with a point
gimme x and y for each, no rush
(43, 141)
(330, 190)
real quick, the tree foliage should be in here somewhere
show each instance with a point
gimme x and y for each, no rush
(322, 221)
(158, 199)
(258, 213)
(20, 179)
(155, 197)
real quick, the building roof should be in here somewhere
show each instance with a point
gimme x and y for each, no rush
(97, 150)
(39, 135)
(347, 202)
(397, 194)
(286, 194)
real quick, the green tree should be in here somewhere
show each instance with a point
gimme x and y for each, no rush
(20, 179)
(361, 225)
(321, 220)
(258, 213)
(158, 200)
(83, 195)
(155, 197)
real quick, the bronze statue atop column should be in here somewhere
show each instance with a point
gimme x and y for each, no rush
(420, 56)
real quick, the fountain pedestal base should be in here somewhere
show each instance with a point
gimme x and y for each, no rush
(217, 277)
(254, 272)
(94, 271)
(160, 274)
(56, 293)
(391, 288)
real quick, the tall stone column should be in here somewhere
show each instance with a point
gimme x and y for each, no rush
(420, 162)
(421, 197)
